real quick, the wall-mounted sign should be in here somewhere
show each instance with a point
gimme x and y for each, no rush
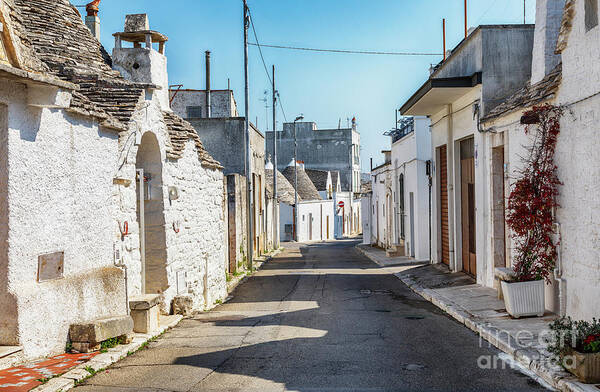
(51, 266)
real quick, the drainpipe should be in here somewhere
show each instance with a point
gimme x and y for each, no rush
(558, 272)
(208, 94)
(430, 178)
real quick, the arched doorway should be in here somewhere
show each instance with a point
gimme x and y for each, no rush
(151, 217)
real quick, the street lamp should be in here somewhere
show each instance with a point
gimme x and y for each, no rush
(299, 118)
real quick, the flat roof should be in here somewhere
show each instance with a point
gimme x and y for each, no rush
(437, 92)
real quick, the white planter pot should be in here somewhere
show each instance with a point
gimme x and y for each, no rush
(524, 298)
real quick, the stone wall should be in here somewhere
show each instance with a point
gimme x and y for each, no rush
(197, 250)
(196, 254)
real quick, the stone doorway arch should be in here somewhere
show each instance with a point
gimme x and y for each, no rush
(151, 217)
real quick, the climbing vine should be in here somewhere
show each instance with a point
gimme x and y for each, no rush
(534, 197)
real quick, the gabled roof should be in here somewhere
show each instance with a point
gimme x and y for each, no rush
(285, 190)
(530, 95)
(306, 189)
(318, 178)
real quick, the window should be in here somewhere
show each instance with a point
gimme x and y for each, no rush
(591, 14)
(194, 111)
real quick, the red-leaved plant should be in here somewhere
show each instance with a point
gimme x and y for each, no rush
(533, 197)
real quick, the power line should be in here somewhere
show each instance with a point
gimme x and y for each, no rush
(263, 61)
(344, 51)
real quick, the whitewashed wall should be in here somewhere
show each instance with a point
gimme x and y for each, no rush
(578, 164)
(320, 210)
(60, 183)
(197, 250)
(409, 156)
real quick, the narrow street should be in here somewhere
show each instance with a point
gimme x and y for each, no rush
(319, 317)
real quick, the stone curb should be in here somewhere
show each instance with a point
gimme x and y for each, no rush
(373, 259)
(102, 361)
(557, 378)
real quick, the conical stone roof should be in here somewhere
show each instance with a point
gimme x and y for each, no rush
(285, 190)
(306, 188)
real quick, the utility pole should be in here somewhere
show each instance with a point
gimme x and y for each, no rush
(524, 11)
(247, 139)
(275, 202)
(295, 184)
(299, 118)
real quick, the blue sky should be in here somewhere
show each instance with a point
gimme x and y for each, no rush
(324, 87)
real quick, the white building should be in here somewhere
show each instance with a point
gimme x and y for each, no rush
(82, 150)
(411, 160)
(382, 206)
(315, 215)
(565, 73)
(475, 78)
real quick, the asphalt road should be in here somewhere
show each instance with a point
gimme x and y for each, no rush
(320, 317)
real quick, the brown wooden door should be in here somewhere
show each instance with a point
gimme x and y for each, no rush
(469, 257)
(443, 165)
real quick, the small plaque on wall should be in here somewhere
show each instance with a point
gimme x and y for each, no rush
(51, 266)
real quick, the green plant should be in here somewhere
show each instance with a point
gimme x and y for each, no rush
(110, 343)
(68, 347)
(567, 334)
(218, 302)
(91, 370)
(228, 277)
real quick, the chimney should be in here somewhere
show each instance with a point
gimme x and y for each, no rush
(208, 100)
(92, 21)
(141, 62)
(548, 17)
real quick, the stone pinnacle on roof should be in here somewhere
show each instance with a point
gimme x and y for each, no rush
(136, 22)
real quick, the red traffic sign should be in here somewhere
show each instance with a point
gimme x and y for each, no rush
(341, 204)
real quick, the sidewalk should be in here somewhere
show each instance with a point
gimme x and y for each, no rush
(480, 310)
(379, 257)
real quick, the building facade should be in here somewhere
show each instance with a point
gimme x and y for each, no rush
(469, 84)
(123, 200)
(563, 74)
(411, 164)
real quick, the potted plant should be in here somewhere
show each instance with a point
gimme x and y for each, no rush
(530, 215)
(576, 346)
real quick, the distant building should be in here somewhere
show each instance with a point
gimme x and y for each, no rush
(223, 136)
(322, 149)
(192, 103)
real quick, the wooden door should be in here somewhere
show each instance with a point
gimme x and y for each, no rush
(469, 258)
(321, 223)
(310, 226)
(327, 226)
(445, 241)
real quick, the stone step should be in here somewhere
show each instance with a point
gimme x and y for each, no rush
(397, 252)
